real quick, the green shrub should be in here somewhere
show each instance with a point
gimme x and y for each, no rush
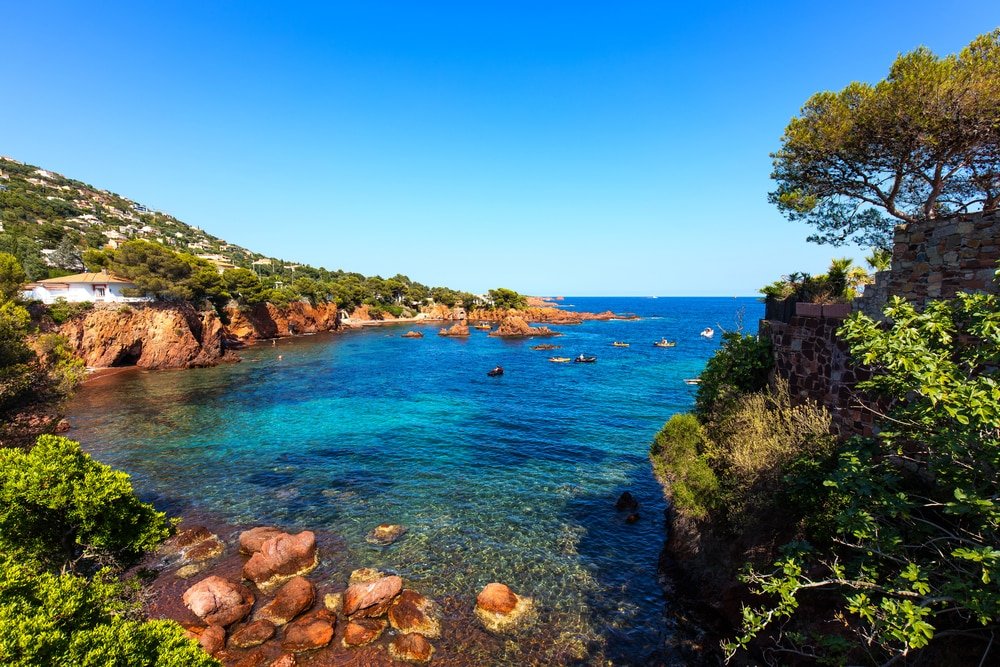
(51, 618)
(65, 369)
(61, 508)
(740, 365)
(910, 553)
(62, 310)
(677, 455)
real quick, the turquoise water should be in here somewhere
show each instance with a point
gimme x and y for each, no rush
(509, 479)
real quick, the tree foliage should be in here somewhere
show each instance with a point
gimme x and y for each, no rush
(740, 365)
(507, 298)
(915, 518)
(61, 507)
(922, 144)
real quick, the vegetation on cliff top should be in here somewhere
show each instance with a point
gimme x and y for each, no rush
(922, 144)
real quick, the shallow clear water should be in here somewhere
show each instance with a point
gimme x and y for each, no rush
(507, 479)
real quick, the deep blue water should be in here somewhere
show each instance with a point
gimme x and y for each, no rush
(507, 479)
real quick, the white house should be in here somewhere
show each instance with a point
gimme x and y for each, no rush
(97, 287)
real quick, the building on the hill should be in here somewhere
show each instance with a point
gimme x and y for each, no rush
(96, 287)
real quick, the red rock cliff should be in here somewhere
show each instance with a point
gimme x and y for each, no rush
(269, 321)
(147, 335)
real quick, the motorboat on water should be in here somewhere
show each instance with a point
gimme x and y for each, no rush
(495, 372)
(585, 359)
(559, 360)
(695, 381)
(663, 342)
(484, 326)
(707, 332)
(546, 346)
(618, 343)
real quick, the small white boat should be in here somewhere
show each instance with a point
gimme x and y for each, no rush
(692, 380)
(707, 332)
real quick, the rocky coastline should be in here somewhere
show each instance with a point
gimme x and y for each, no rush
(167, 335)
(266, 597)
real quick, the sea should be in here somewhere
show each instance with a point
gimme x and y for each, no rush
(511, 478)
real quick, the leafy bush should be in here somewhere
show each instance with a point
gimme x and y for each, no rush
(65, 369)
(62, 508)
(678, 459)
(63, 619)
(914, 554)
(740, 365)
(62, 310)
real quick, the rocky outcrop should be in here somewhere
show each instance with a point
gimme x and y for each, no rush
(267, 320)
(371, 599)
(280, 558)
(412, 334)
(411, 648)
(413, 612)
(252, 634)
(361, 631)
(154, 335)
(545, 315)
(218, 601)
(312, 631)
(456, 330)
(291, 600)
(514, 326)
(501, 610)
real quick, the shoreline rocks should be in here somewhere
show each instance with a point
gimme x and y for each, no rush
(500, 610)
(412, 334)
(218, 601)
(291, 600)
(280, 558)
(412, 612)
(371, 599)
(411, 648)
(312, 631)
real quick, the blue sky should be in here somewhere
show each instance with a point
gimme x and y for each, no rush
(555, 148)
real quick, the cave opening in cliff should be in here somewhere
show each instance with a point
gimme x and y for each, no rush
(129, 356)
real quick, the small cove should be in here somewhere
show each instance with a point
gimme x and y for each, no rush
(507, 479)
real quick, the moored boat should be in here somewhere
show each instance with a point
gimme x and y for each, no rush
(707, 332)
(559, 360)
(618, 343)
(495, 372)
(585, 359)
(692, 380)
(663, 342)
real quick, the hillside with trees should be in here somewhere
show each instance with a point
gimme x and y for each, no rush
(55, 226)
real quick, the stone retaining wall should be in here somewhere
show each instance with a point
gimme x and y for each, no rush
(816, 365)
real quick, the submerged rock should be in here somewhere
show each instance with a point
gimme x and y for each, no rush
(252, 634)
(364, 575)
(280, 558)
(213, 639)
(626, 501)
(413, 612)
(312, 631)
(363, 631)
(291, 600)
(373, 598)
(218, 601)
(205, 550)
(385, 534)
(411, 648)
(334, 602)
(632, 518)
(500, 610)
